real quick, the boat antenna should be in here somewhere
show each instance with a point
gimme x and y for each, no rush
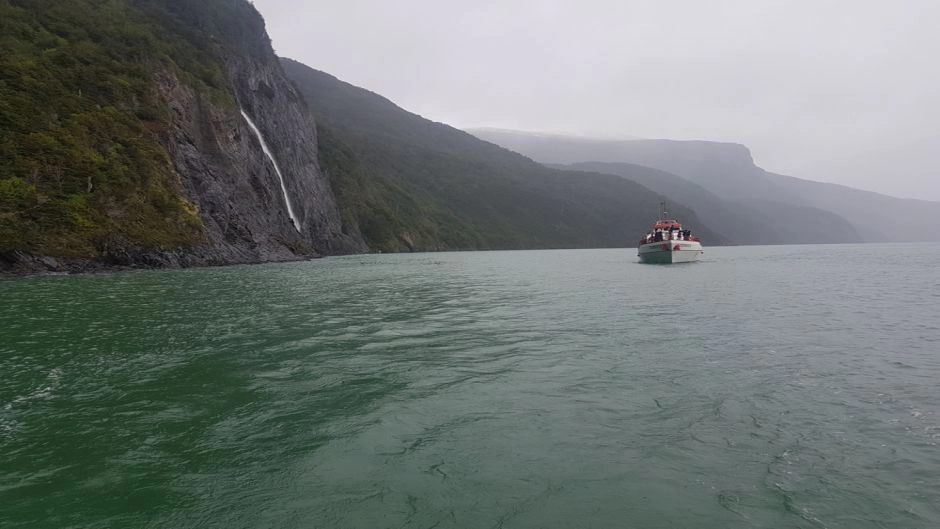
(663, 212)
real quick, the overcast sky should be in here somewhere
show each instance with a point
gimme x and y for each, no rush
(840, 91)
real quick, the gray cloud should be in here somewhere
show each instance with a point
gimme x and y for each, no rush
(838, 91)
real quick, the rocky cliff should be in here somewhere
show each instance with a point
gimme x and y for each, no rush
(197, 187)
(234, 184)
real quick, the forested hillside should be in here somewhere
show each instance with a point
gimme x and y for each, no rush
(80, 164)
(121, 139)
(413, 184)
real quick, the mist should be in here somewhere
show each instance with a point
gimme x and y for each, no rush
(834, 91)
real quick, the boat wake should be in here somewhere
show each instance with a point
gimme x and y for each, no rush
(8, 424)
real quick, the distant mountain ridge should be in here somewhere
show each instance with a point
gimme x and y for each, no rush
(549, 134)
(744, 222)
(727, 171)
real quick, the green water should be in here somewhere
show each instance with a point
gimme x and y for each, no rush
(763, 387)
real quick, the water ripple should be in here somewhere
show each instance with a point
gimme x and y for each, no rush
(768, 387)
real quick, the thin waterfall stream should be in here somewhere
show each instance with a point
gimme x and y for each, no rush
(277, 169)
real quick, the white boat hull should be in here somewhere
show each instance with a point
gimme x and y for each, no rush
(669, 252)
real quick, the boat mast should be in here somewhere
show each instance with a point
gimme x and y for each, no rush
(662, 211)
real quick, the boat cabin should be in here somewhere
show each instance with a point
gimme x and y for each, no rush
(668, 230)
(667, 225)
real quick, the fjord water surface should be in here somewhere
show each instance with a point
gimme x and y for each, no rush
(763, 387)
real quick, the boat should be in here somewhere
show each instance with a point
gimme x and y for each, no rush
(667, 242)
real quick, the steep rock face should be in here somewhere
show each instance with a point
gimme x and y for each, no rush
(233, 183)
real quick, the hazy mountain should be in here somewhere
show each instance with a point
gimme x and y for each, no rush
(878, 217)
(725, 169)
(745, 222)
(728, 171)
(412, 184)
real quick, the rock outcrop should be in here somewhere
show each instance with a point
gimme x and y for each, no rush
(227, 175)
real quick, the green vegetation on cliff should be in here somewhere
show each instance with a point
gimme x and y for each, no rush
(83, 170)
(412, 184)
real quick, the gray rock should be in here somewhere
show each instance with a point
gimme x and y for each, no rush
(229, 178)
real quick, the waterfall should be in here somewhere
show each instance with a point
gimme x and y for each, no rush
(280, 177)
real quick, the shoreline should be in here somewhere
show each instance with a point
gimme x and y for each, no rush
(23, 265)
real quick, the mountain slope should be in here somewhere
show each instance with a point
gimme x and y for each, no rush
(725, 169)
(728, 171)
(879, 217)
(412, 184)
(745, 222)
(122, 140)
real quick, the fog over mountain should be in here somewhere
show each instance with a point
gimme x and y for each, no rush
(777, 208)
(834, 91)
